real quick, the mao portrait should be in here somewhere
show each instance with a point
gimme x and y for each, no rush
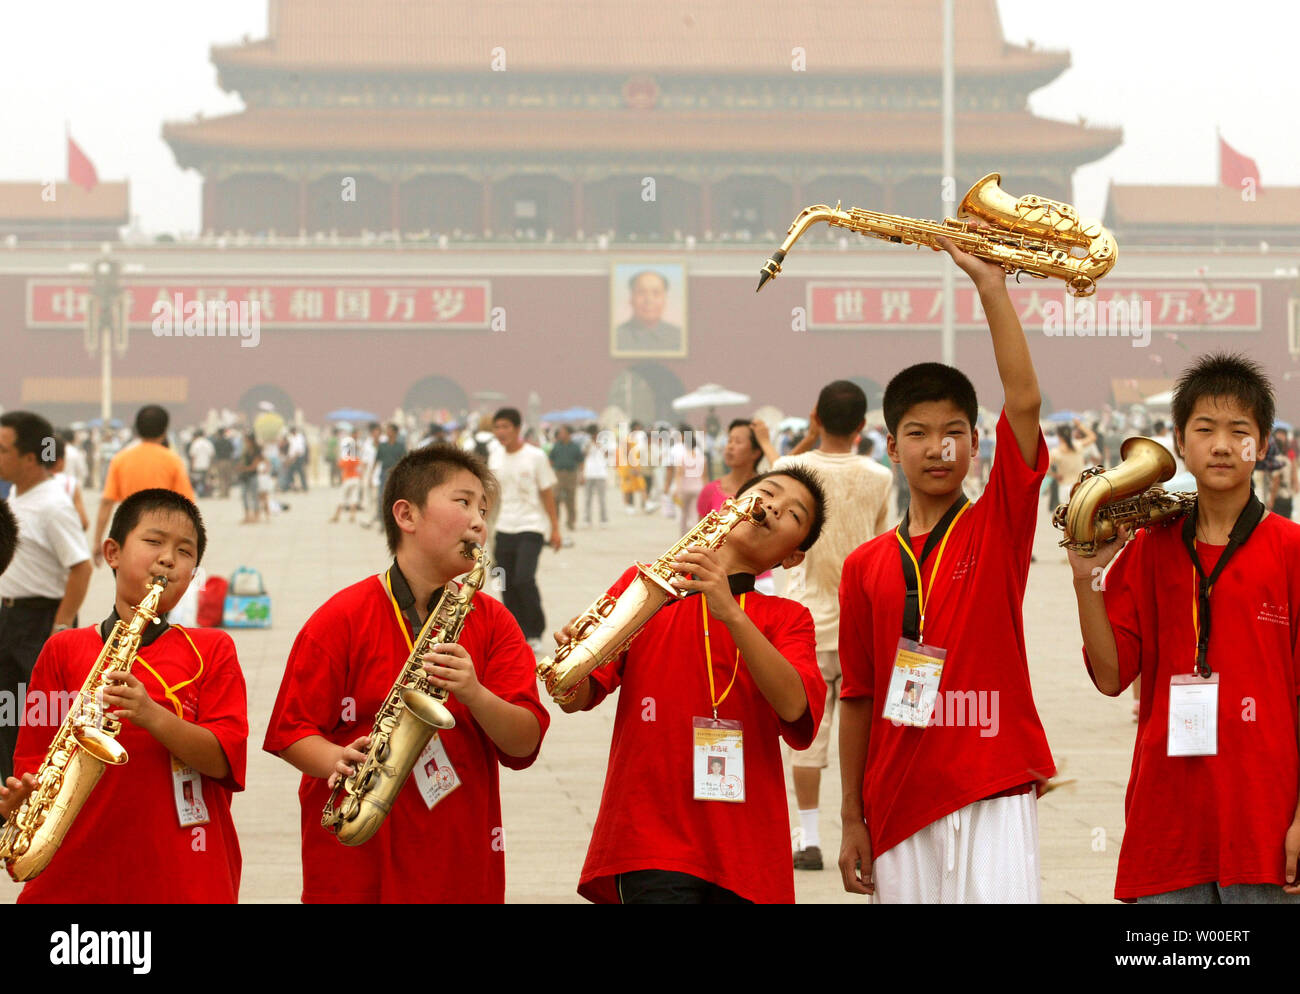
(648, 310)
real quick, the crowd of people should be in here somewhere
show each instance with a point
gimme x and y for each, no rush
(908, 634)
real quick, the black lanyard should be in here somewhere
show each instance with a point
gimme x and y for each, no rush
(1249, 517)
(911, 574)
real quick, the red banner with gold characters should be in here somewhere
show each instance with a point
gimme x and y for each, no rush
(312, 303)
(870, 305)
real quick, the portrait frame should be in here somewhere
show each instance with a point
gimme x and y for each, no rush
(673, 314)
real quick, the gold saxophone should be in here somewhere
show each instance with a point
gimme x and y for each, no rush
(85, 743)
(608, 627)
(396, 740)
(1130, 494)
(1031, 235)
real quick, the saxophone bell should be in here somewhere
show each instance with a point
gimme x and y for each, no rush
(103, 747)
(428, 709)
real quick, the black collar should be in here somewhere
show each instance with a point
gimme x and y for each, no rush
(740, 583)
(406, 599)
(149, 636)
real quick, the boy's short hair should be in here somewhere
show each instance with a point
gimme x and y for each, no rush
(926, 382)
(510, 414)
(841, 406)
(8, 535)
(31, 433)
(814, 484)
(1225, 374)
(131, 510)
(419, 471)
(151, 421)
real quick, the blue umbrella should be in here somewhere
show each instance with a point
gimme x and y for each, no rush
(1063, 417)
(99, 423)
(1284, 425)
(572, 414)
(351, 414)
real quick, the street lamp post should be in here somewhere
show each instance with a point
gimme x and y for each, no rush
(107, 317)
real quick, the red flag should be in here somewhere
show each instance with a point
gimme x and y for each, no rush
(80, 169)
(1235, 168)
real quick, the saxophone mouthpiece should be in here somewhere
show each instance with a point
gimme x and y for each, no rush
(770, 270)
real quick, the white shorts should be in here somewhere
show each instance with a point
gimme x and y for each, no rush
(985, 853)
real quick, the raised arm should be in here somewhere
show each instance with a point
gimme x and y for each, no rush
(1022, 401)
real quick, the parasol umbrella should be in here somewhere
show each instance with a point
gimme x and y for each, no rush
(569, 415)
(794, 423)
(1161, 399)
(350, 414)
(709, 395)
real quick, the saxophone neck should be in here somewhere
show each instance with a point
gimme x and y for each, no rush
(806, 219)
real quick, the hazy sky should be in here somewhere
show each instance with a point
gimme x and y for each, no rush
(1167, 73)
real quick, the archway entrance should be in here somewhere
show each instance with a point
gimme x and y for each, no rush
(646, 390)
(432, 394)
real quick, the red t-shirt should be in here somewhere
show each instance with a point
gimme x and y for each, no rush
(348, 656)
(990, 738)
(648, 816)
(132, 810)
(1198, 819)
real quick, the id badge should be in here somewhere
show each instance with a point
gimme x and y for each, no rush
(914, 683)
(187, 789)
(434, 774)
(718, 759)
(1193, 715)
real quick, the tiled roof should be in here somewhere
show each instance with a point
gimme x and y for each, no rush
(25, 202)
(1202, 205)
(632, 132)
(681, 36)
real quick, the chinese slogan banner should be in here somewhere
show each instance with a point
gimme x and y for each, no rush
(300, 304)
(879, 305)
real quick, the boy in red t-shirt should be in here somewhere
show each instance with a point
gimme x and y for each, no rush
(343, 666)
(941, 748)
(184, 725)
(694, 809)
(1212, 813)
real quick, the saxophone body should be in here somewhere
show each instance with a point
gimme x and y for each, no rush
(609, 625)
(85, 743)
(1130, 494)
(409, 718)
(1031, 234)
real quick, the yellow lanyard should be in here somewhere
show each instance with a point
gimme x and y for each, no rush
(170, 692)
(938, 555)
(1196, 618)
(708, 657)
(397, 611)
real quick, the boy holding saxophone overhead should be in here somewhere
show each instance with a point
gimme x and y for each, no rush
(694, 808)
(941, 748)
(339, 676)
(1205, 608)
(184, 729)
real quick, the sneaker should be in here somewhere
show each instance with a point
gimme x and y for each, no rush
(808, 859)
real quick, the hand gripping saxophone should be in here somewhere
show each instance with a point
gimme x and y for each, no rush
(85, 743)
(1034, 235)
(406, 722)
(1130, 494)
(607, 627)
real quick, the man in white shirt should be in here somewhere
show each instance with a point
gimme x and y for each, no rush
(201, 453)
(857, 503)
(43, 587)
(527, 502)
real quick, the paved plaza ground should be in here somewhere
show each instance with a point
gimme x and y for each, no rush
(549, 809)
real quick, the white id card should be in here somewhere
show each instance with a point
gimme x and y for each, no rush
(914, 683)
(434, 774)
(187, 789)
(718, 759)
(1193, 715)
